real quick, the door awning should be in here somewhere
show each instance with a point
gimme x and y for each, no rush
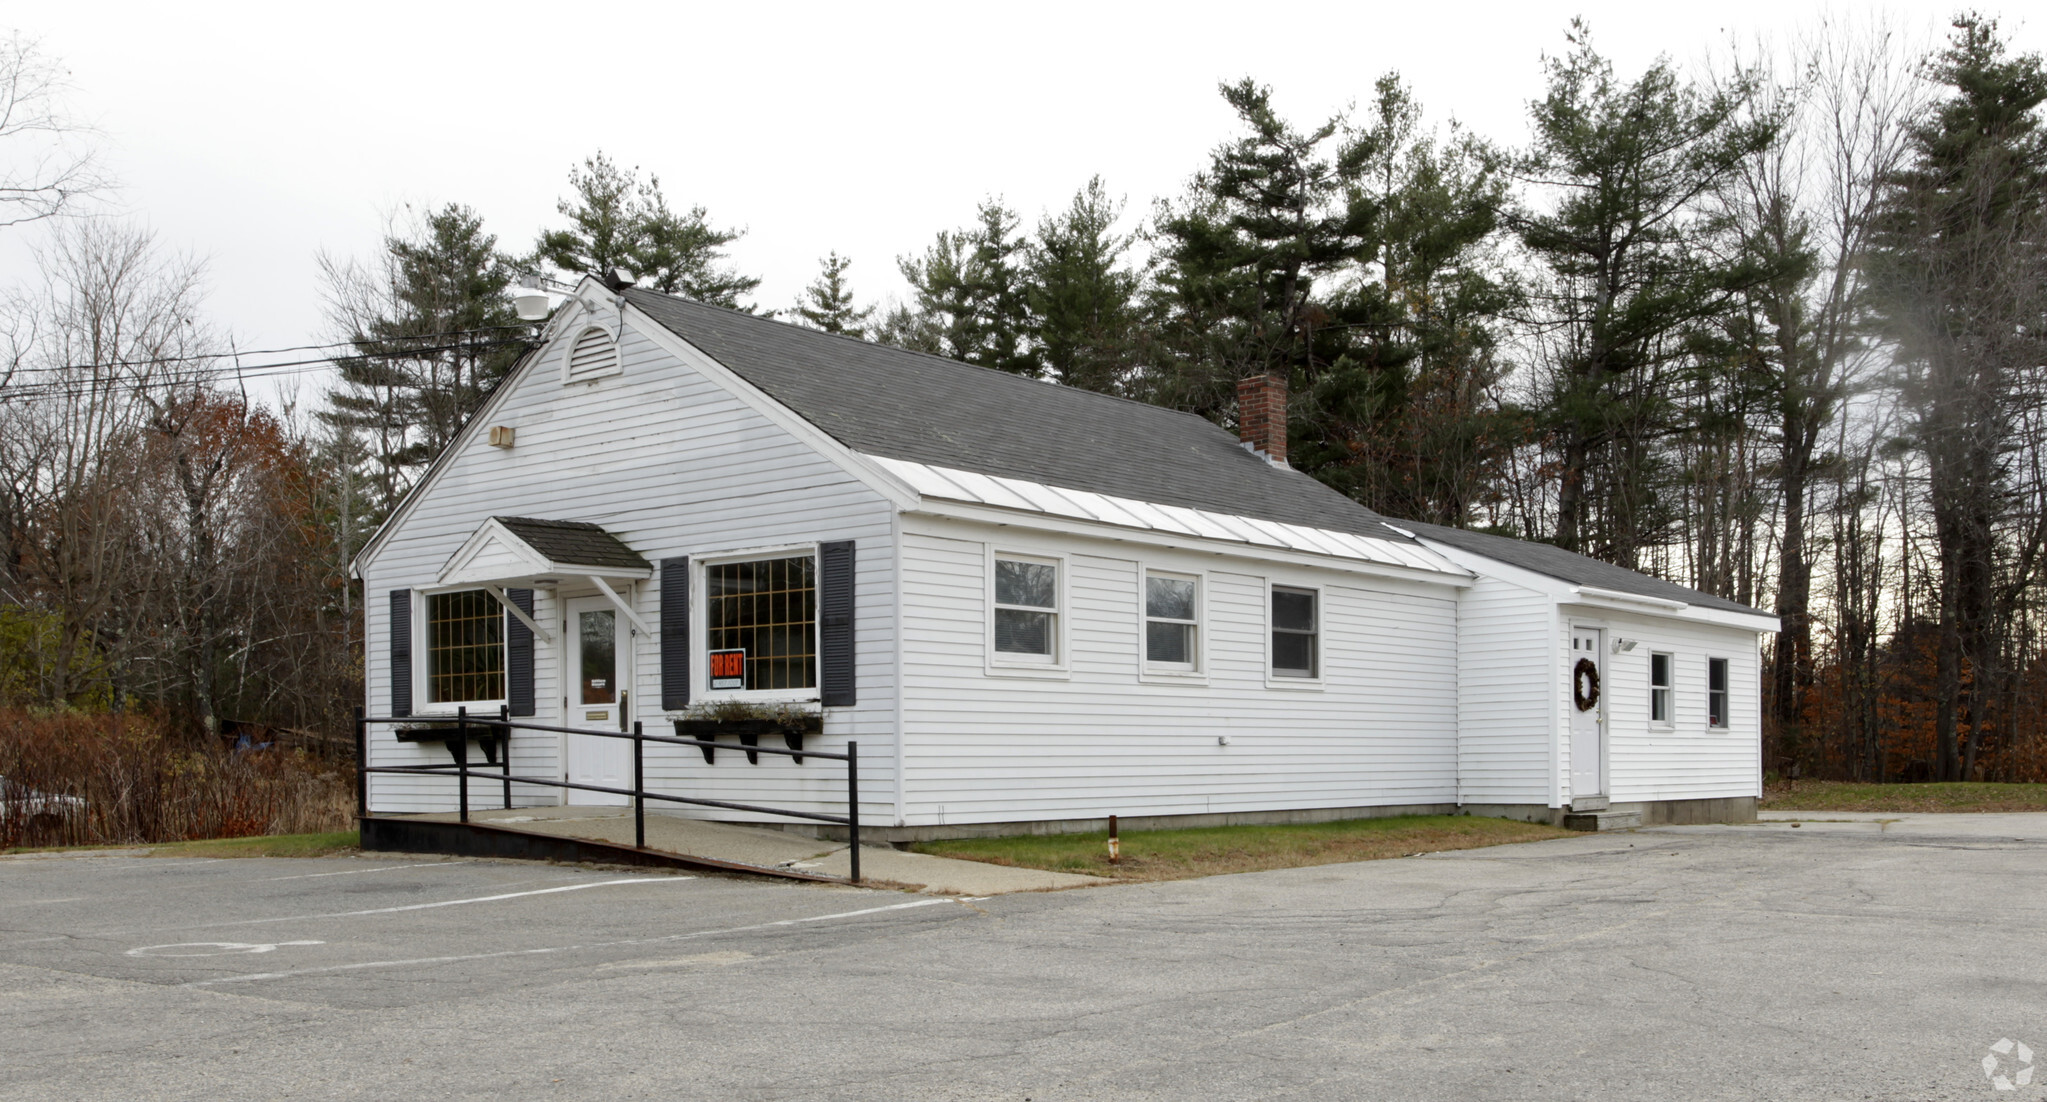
(518, 552)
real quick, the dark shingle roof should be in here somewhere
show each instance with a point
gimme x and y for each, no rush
(926, 409)
(574, 543)
(1570, 566)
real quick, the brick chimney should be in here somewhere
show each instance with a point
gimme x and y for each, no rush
(1261, 415)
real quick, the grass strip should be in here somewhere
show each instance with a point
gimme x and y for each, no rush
(1933, 797)
(1208, 851)
(261, 845)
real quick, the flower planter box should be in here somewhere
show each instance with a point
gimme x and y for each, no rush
(749, 732)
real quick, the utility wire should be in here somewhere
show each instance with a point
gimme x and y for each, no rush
(83, 388)
(148, 361)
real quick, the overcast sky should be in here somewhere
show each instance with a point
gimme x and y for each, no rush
(257, 136)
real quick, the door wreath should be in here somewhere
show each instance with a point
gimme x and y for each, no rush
(1585, 684)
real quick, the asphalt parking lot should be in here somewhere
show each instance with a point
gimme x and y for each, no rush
(1849, 960)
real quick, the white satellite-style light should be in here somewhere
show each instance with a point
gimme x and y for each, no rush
(1623, 646)
(530, 300)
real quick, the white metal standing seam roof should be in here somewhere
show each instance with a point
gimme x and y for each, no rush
(950, 484)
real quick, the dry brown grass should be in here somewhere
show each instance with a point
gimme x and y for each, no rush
(76, 779)
(1209, 851)
(1950, 796)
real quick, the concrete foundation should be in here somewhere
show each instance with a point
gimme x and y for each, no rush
(906, 835)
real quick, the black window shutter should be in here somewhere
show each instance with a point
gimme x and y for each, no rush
(675, 633)
(835, 625)
(519, 655)
(401, 652)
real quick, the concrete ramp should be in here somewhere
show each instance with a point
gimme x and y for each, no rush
(605, 835)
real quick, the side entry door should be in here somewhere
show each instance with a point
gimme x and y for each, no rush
(1588, 714)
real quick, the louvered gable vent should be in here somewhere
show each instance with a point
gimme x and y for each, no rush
(593, 356)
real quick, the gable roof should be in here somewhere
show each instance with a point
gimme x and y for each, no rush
(574, 542)
(896, 404)
(1569, 566)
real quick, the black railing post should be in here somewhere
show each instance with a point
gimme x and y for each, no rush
(362, 765)
(639, 788)
(462, 760)
(853, 804)
(505, 748)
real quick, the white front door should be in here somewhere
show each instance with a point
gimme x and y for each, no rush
(599, 656)
(1588, 724)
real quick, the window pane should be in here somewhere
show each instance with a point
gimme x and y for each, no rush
(1169, 598)
(465, 647)
(1716, 675)
(1168, 642)
(1293, 610)
(1018, 632)
(1026, 583)
(1659, 669)
(598, 642)
(767, 608)
(1293, 653)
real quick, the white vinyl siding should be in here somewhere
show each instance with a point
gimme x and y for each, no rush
(1686, 758)
(1103, 739)
(1504, 704)
(672, 464)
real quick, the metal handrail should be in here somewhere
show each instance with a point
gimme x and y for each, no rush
(503, 726)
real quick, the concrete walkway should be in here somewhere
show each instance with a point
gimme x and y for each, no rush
(767, 848)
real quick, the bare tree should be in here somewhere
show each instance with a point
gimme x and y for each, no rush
(47, 163)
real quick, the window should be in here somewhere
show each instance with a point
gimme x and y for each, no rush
(1293, 632)
(465, 647)
(763, 613)
(1027, 610)
(1659, 687)
(1716, 692)
(1172, 622)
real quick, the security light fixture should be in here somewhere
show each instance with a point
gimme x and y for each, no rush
(530, 299)
(1623, 646)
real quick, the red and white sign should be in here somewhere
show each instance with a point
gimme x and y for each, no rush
(728, 669)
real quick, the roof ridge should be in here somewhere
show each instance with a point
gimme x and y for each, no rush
(947, 360)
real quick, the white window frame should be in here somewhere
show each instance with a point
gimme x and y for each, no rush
(1195, 672)
(1668, 690)
(1004, 663)
(700, 626)
(1725, 693)
(1274, 680)
(422, 682)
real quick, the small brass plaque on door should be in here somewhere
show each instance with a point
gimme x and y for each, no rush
(598, 716)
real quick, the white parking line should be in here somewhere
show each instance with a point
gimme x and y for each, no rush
(396, 910)
(571, 948)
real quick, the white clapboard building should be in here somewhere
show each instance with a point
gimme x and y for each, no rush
(1033, 606)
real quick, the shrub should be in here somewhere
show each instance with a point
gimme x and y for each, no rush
(73, 778)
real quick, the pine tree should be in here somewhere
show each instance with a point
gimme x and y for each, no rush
(971, 296)
(1958, 271)
(1405, 420)
(1628, 281)
(827, 303)
(1236, 289)
(434, 333)
(1082, 301)
(616, 221)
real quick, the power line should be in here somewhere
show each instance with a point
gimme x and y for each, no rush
(83, 388)
(158, 361)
